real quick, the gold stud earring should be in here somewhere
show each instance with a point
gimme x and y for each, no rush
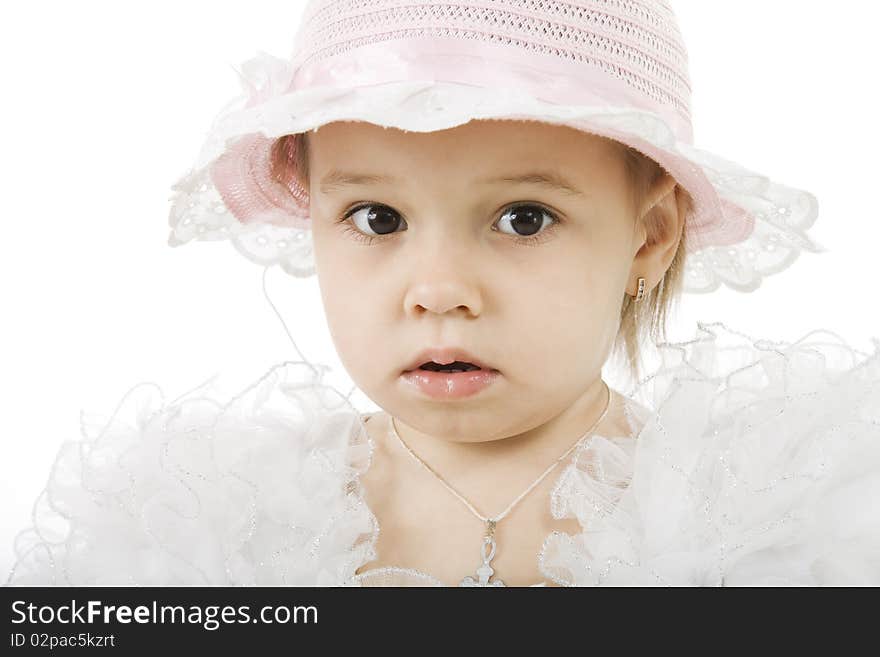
(640, 294)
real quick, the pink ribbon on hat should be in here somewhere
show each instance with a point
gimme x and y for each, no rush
(484, 64)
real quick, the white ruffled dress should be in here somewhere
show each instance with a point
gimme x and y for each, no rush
(748, 463)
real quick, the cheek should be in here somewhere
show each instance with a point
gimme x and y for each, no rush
(580, 279)
(349, 314)
(576, 321)
(333, 268)
(567, 320)
(321, 243)
(349, 330)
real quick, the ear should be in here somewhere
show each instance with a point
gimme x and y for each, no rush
(658, 233)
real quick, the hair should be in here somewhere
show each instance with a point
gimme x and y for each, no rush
(289, 164)
(649, 317)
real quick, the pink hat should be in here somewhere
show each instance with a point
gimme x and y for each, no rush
(615, 68)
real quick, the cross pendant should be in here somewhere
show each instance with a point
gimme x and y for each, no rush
(485, 571)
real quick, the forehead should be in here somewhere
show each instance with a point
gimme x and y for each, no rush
(495, 142)
(553, 156)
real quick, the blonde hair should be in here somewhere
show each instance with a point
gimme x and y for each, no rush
(289, 163)
(648, 318)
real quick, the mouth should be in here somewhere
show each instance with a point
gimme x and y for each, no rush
(452, 368)
(452, 381)
(448, 360)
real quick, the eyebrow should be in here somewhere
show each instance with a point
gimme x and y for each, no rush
(336, 180)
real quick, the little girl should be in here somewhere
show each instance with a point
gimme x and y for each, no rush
(496, 197)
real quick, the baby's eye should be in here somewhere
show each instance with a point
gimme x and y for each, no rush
(526, 219)
(375, 221)
(377, 218)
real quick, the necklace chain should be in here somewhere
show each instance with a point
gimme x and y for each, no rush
(492, 521)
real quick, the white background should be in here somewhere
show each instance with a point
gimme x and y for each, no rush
(105, 106)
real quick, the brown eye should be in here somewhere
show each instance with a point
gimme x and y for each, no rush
(525, 219)
(378, 219)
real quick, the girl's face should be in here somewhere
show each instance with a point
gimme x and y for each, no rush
(527, 277)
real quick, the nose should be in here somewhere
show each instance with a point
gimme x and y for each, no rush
(441, 295)
(446, 274)
(444, 281)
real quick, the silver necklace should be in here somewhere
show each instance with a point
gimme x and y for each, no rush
(487, 549)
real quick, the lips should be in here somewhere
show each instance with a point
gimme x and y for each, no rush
(450, 387)
(446, 356)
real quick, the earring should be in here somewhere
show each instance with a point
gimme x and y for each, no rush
(641, 291)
